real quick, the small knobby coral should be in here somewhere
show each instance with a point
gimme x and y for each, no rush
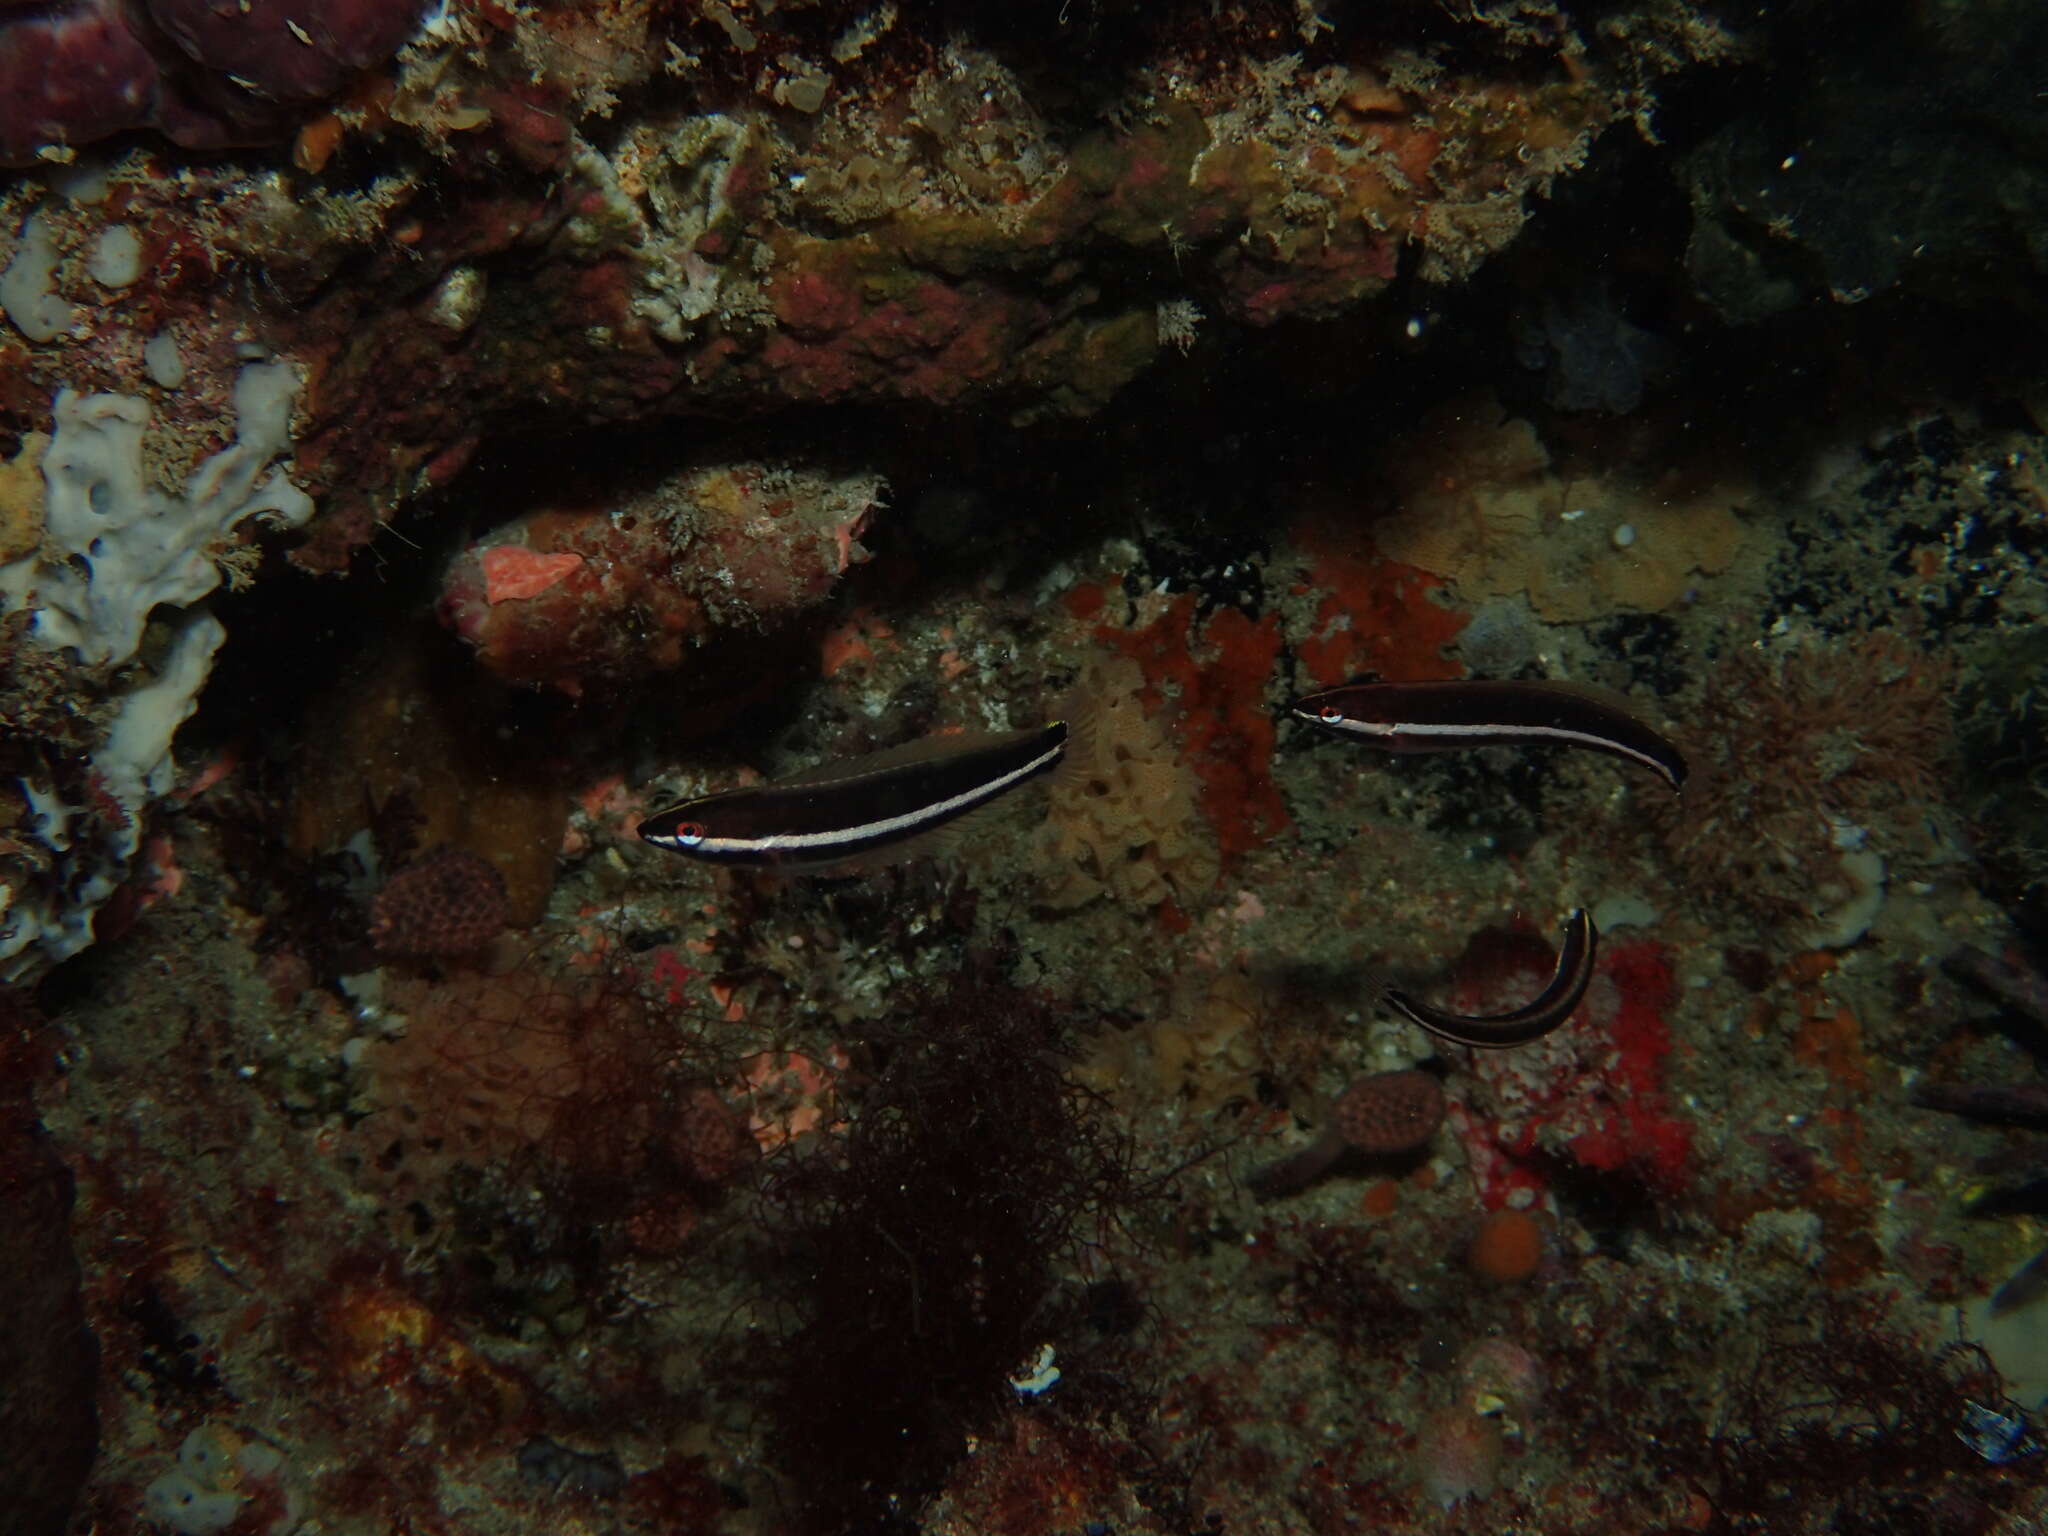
(1854, 1427)
(448, 901)
(923, 1243)
(1382, 1115)
(1390, 1111)
(1797, 755)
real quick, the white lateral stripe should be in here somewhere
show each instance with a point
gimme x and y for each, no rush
(909, 821)
(1505, 733)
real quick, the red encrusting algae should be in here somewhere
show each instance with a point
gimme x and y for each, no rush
(1377, 615)
(1217, 672)
(1639, 1132)
(1594, 1091)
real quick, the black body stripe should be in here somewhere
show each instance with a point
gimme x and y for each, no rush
(1551, 1008)
(1446, 716)
(872, 804)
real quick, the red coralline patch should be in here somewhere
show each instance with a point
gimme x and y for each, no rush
(1085, 600)
(399, 1363)
(1378, 615)
(530, 119)
(1637, 1131)
(293, 50)
(586, 1087)
(660, 1226)
(935, 343)
(1038, 1477)
(203, 73)
(1413, 149)
(448, 901)
(1333, 277)
(70, 75)
(563, 597)
(512, 571)
(1218, 672)
(678, 1495)
(1390, 1112)
(815, 304)
(1593, 1091)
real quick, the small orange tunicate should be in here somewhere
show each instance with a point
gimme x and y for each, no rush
(1380, 1198)
(1507, 1248)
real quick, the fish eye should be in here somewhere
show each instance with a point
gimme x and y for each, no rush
(1330, 714)
(690, 833)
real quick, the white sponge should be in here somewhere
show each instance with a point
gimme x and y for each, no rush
(196, 1497)
(114, 549)
(126, 546)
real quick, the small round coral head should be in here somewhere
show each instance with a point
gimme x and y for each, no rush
(1507, 1247)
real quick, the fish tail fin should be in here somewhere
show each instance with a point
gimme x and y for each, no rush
(1091, 714)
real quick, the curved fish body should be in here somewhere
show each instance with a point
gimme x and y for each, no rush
(839, 814)
(1447, 716)
(1533, 1020)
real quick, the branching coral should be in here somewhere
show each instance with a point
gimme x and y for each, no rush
(576, 1087)
(921, 1248)
(1801, 758)
(1854, 1424)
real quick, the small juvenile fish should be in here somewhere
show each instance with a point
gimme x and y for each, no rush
(837, 812)
(1444, 716)
(1533, 1020)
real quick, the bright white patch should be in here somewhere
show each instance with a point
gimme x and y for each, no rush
(1039, 1376)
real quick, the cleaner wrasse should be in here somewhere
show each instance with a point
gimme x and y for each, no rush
(1547, 1011)
(837, 813)
(1445, 716)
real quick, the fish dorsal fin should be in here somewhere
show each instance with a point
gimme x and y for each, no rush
(926, 749)
(1591, 693)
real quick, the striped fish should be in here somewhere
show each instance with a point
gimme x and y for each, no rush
(1445, 716)
(837, 813)
(1533, 1020)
